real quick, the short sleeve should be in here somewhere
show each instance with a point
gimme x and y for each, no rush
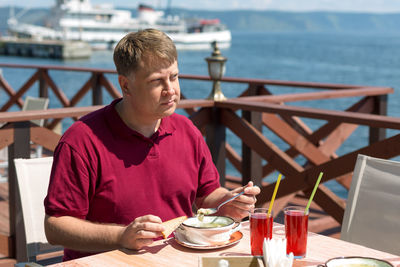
(70, 184)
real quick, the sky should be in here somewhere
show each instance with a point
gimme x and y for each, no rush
(375, 6)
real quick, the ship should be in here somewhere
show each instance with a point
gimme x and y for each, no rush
(102, 26)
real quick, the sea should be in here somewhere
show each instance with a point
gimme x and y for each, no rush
(343, 58)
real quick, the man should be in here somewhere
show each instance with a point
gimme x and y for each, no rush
(120, 171)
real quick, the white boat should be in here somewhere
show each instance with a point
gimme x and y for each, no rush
(103, 26)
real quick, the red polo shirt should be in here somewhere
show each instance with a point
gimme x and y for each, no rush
(105, 172)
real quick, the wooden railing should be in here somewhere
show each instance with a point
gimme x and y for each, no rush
(262, 114)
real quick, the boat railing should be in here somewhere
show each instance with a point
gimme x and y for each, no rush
(253, 116)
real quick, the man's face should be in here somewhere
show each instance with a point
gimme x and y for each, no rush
(153, 92)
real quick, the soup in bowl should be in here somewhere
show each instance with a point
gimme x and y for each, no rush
(210, 231)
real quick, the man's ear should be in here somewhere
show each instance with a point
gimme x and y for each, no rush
(124, 83)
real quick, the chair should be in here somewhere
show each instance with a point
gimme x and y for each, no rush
(372, 215)
(4, 165)
(30, 103)
(36, 103)
(33, 178)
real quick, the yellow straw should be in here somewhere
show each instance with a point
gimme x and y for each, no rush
(274, 194)
(313, 192)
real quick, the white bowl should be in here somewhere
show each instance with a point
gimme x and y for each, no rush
(356, 261)
(212, 230)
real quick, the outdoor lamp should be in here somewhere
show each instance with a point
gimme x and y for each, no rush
(216, 69)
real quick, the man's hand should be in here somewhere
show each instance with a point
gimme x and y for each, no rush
(239, 208)
(236, 209)
(141, 232)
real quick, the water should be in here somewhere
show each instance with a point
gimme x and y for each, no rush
(332, 58)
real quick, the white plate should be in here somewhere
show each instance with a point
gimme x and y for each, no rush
(234, 239)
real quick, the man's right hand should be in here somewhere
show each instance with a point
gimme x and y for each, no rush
(86, 236)
(141, 232)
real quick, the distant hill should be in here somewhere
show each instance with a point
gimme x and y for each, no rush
(266, 21)
(278, 21)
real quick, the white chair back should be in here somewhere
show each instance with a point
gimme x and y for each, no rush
(36, 103)
(33, 178)
(372, 215)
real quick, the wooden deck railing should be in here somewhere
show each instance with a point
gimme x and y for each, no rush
(251, 116)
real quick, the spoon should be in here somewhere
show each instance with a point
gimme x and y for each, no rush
(210, 211)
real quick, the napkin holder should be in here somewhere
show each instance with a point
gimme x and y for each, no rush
(275, 253)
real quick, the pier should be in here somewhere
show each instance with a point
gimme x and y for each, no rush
(250, 116)
(44, 48)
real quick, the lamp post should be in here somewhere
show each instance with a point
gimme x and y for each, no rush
(216, 69)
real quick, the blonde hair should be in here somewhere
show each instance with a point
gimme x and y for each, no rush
(151, 46)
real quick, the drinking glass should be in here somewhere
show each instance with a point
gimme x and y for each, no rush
(260, 227)
(296, 229)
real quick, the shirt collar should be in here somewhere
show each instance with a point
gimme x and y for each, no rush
(118, 126)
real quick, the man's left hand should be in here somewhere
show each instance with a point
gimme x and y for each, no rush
(240, 207)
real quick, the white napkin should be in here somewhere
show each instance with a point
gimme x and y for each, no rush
(275, 253)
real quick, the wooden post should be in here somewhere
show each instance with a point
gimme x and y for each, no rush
(216, 139)
(43, 86)
(20, 148)
(251, 161)
(97, 93)
(380, 108)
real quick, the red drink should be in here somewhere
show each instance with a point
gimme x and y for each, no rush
(296, 228)
(260, 228)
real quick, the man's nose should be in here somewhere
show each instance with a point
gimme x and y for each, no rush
(168, 89)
